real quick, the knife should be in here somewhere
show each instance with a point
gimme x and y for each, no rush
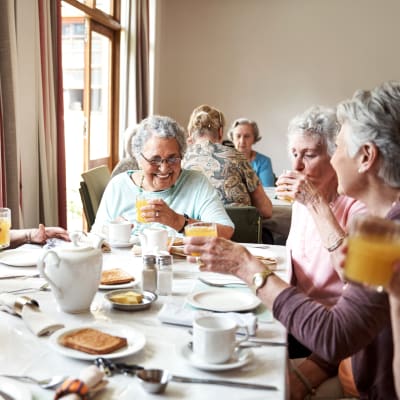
(6, 396)
(177, 378)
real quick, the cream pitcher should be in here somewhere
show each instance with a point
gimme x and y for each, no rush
(74, 274)
(156, 239)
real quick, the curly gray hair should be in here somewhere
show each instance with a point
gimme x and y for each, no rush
(162, 127)
(245, 121)
(374, 116)
(319, 122)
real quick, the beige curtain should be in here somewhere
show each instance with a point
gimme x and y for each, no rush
(142, 59)
(32, 114)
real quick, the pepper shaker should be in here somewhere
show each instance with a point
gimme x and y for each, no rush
(149, 273)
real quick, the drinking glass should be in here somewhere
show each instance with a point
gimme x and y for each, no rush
(5, 225)
(141, 201)
(206, 229)
(373, 247)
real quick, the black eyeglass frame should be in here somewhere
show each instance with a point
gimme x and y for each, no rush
(157, 161)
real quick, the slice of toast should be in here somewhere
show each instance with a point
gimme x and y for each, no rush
(115, 276)
(92, 341)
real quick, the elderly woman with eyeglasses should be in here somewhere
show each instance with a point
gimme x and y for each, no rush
(176, 197)
(244, 133)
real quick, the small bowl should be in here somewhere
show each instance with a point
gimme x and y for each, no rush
(148, 299)
(153, 380)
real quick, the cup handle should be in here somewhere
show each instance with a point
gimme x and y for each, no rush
(41, 266)
(246, 336)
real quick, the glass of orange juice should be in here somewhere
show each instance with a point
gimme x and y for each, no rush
(141, 201)
(373, 247)
(205, 229)
(5, 225)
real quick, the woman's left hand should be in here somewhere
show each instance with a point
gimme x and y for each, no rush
(158, 210)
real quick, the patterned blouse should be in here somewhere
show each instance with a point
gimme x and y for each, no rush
(226, 168)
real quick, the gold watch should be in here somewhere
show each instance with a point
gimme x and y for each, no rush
(260, 279)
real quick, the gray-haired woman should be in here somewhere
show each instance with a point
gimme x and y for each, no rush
(244, 133)
(176, 196)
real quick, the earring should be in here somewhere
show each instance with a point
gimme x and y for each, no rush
(361, 170)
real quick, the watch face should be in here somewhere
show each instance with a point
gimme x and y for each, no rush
(258, 280)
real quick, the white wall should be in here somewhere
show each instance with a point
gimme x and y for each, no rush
(271, 59)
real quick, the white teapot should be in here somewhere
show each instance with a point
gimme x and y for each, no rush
(74, 274)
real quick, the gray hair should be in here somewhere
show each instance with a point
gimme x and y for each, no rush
(374, 117)
(245, 121)
(318, 122)
(162, 127)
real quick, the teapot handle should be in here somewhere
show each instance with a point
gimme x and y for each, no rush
(41, 267)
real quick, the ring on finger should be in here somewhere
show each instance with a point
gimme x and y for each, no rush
(199, 262)
(157, 214)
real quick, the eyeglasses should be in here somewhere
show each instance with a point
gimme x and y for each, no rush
(157, 161)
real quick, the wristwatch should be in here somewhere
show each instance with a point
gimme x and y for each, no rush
(260, 279)
(185, 223)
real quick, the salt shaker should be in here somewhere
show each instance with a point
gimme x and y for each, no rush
(149, 274)
(164, 275)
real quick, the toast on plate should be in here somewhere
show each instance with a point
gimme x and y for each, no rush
(115, 276)
(92, 341)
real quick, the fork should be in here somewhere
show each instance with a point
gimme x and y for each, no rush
(224, 284)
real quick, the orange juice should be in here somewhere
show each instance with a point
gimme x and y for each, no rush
(140, 202)
(205, 229)
(4, 233)
(370, 260)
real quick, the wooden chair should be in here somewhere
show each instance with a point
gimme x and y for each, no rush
(248, 224)
(91, 190)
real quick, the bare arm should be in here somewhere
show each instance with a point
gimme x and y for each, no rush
(394, 290)
(261, 201)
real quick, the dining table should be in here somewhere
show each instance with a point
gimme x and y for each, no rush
(165, 344)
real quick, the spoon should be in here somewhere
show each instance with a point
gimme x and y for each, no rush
(49, 383)
(156, 381)
(44, 287)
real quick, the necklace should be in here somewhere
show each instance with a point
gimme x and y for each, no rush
(141, 183)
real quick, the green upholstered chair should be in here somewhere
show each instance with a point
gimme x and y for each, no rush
(91, 190)
(247, 222)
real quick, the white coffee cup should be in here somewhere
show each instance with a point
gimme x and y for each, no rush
(214, 338)
(119, 231)
(154, 240)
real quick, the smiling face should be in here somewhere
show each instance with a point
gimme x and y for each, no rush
(311, 158)
(161, 177)
(243, 138)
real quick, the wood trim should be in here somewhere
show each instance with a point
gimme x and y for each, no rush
(112, 22)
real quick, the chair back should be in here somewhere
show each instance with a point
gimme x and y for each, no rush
(247, 222)
(91, 190)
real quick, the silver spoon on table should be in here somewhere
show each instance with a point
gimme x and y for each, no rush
(221, 284)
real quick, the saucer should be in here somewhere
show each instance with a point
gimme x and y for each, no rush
(121, 245)
(239, 360)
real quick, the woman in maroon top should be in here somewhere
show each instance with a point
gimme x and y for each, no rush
(367, 163)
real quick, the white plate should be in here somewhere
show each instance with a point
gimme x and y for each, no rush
(242, 358)
(224, 300)
(136, 341)
(120, 285)
(20, 257)
(16, 390)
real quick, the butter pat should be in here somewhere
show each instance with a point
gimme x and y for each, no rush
(127, 298)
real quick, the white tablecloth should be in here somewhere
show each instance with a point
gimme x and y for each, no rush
(25, 354)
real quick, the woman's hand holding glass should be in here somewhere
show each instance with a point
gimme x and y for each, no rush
(157, 210)
(292, 185)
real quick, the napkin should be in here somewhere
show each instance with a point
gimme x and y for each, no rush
(171, 313)
(91, 376)
(39, 323)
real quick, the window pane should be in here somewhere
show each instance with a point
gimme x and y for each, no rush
(73, 35)
(100, 96)
(104, 5)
